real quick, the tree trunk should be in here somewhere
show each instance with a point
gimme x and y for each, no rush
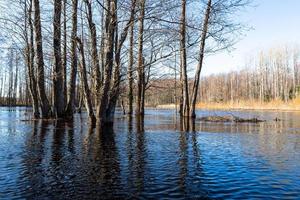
(184, 84)
(201, 57)
(117, 72)
(16, 80)
(30, 61)
(95, 58)
(84, 82)
(58, 79)
(140, 67)
(144, 84)
(110, 24)
(44, 103)
(72, 82)
(130, 71)
(102, 53)
(64, 60)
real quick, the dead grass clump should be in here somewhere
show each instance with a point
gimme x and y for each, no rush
(230, 118)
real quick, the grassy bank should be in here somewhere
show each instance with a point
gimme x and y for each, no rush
(253, 105)
(293, 105)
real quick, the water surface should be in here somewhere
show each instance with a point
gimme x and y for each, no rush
(155, 159)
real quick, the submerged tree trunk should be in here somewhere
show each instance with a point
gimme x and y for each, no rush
(114, 94)
(30, 60)
(110, 24)
(84, 82)
(201, 57)
(130, 71)
(43, 100)
(184, 82)
(58, 78)
(140, 66)
(72, 82)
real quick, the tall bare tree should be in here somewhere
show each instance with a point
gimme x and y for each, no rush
(86, 89)
(95, 58)
(130, 70)
(58, 77)
(43, 100)
(140, 62)
(201, 58)
(114, 95)
(110, 27)
(185, 108)
(65, 46)
(73, 73)
(29, 53)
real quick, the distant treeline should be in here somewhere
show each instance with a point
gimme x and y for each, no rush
(271, 75)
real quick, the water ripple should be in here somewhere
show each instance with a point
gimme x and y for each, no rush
(58, 160)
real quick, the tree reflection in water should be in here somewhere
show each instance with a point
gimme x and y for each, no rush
(33, 159)
(144, 158)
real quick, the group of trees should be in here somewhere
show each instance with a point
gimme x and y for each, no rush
(12, 87)
(94, 53)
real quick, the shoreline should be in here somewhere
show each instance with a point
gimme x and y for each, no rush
(218, 106)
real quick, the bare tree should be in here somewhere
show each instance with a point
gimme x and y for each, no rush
(110, 27)
(43, 100)
(140, 64)
(58, 78)
(65, 46)
(84, 82)
(185, 108)
(95, 58)
(200, 61)
(30, 59)
(130, 70)
(73, 73)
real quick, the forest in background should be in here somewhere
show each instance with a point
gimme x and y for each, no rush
(271, 76)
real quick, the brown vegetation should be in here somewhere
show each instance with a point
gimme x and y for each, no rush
(253, 105)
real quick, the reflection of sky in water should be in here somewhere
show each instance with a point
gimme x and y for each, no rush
(217, 160)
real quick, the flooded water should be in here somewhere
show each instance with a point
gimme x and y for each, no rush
(155, 159)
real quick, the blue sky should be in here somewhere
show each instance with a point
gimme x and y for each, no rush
(274, 23)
